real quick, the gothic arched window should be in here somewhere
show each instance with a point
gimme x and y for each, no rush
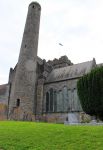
(55, 101)
(47, 102)
(65, 98)
(60, 105)
(51, 100)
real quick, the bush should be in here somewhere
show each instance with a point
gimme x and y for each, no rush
(90, 92)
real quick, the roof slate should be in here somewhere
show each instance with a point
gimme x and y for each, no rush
(70, 72)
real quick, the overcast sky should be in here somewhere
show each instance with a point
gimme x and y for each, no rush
(77, 24)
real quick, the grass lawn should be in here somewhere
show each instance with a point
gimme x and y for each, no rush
(44, 136)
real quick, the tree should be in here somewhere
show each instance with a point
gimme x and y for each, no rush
(90, 92)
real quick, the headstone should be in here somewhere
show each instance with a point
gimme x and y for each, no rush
(73, 118)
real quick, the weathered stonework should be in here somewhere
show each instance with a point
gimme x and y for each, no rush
(4, 94)
(54, 117)
(38, 90)
(24, 89)
(3, 111)
(71, 86)
(61, 62)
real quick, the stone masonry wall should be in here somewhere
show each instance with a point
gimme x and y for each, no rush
(4, 93)
(71, 86)
(24, 84)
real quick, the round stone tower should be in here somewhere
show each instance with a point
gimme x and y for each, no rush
(23, 91)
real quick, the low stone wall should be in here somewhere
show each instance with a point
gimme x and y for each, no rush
(18, 114)
(62, 117)
(3, 111)
(52, 117)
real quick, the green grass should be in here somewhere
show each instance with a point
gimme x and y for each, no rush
(44, 136)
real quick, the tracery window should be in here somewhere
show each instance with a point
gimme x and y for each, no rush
(63, 100)
(51, 101)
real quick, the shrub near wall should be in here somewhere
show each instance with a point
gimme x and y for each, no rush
(90, 92)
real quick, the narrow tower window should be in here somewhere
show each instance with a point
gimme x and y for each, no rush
(18, 102)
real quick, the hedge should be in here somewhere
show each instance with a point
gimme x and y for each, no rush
(90, 92)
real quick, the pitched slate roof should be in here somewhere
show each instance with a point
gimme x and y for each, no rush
(70, 72)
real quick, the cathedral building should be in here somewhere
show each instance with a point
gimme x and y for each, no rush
(40, 90)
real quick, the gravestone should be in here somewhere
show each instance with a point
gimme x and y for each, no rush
(73, 118)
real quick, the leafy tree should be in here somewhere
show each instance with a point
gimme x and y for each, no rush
(90, 92)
